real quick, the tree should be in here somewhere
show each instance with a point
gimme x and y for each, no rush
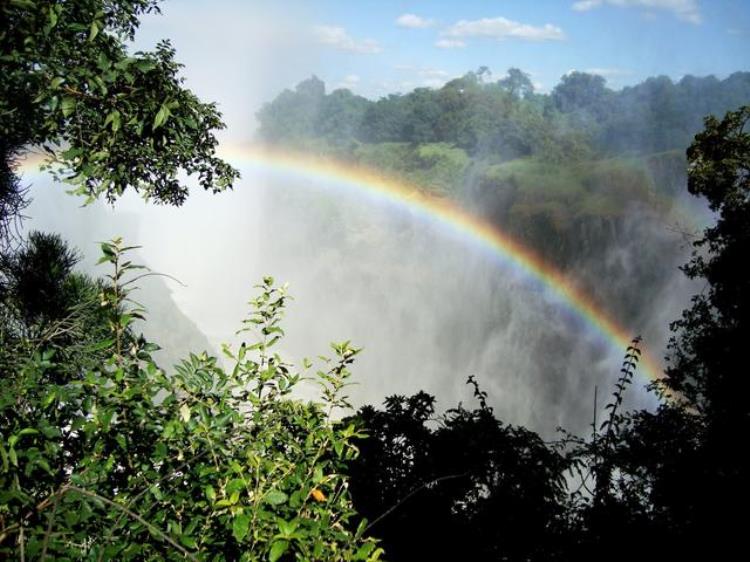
(579, 90)
(340, 116)
(517, 83)
(460, 486)
(45, 302)
(35, 277)
(293, 114)
(108, 119)
(682, 471)
(707, 351)
(12, 197)
(128, 462)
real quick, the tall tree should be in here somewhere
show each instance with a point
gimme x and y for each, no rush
(517, 83)
(707, 353)
(108, 119)
(708, 362)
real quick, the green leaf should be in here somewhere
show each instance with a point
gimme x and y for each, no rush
(94, 31)
(188, 541)
(287, 528)
(278, 548)
(276, 497)
(52, 17)
(364, 551)
(113, 118)
(67, 106)
(4, 458)
(240, 526)
(28, 4)
(145, 65)
(161, 117)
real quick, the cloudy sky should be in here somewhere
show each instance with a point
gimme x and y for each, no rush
(242, 53)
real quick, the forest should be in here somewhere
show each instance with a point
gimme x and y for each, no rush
(112, 448)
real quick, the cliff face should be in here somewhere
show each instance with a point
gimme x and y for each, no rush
(168, 326)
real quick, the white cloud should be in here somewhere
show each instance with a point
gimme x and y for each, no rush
(350, 81)
(433, 73)
(338, 38)
(450, 44)
(586, 5)
(503, 28)
(686, 10)
(413, 21)
(422, 76)
(609, 72)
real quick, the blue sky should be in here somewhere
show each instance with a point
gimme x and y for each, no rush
(242, 53)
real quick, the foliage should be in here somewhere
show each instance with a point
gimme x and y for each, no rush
(562, 172)
(126, 462)
(706, 352)
(437, 167)
(460, 486)
(12, 198)
(505, 119)
(517, 82)
(681, 471)
(107, 118)
(36, 275)
(44, 302)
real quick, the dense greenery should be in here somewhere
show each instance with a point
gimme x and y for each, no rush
(108, 119)
(667, 484)
(562, 172)
(505, 119)
(461, 486)
(104, 454)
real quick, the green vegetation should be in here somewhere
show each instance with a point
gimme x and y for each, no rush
(438, 167)
(108, 119)
(546, 168)
(105, 455)
(654, 485)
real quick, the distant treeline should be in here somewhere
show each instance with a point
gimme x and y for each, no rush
(507, 118)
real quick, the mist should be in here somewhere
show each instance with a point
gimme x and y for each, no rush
(428, 307)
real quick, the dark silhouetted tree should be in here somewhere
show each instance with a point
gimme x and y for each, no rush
(462, 486)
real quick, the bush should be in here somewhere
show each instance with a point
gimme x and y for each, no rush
(126, 462)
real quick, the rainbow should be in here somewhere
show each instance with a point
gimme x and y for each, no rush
(451, 216)
(447, 215)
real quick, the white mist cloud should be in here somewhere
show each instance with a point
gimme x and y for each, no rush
(338, 38)
(501, 29)
(413, 21)
(239, 57)
(609, 72)
(350, 81)
(686, 10)
(450, 44)
(586, 5)
(423, 71)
